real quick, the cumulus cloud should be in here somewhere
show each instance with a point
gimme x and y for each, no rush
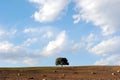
(76, 18)
(30, 30)
(8, 50)
(2, 32)
(111, 60)
(49, 10)
(44, 32)
(48, 34)
(55, 46)
(29, 41)
(15, 54)
(102, 13)
(85, 43)
(106, 48)
(6, 33)
(5, 47)
(110, 46)
(30, 61)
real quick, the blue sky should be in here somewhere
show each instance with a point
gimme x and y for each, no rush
(36, 32)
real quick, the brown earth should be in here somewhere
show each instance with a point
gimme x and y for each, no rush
(61, 73)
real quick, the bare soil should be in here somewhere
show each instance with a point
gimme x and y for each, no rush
(61, 73)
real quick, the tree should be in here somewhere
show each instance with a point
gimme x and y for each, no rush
(61, 61)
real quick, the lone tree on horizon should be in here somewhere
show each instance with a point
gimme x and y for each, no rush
(61, 61)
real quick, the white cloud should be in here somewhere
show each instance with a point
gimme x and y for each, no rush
(76, 47)
(7, 33)
(56, 45)
(2, 32)
(76, 18)
(28, 30)
(13, 54)
(29, 41)
(111, 60)
(5, 47)
(8, 50)
(105, 47)
(49, 10)
(110, 46)
(30, 61)
(85, 43)
(90, 40)
(32, 30)
(48, 34)
(103, 13)
(44, 32)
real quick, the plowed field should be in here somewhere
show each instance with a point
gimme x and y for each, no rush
(61, 73)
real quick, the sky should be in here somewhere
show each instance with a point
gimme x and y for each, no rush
(36, 32)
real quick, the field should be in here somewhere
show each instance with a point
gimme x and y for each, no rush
(61, 73)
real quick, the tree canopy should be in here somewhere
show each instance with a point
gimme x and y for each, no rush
(61, 61)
